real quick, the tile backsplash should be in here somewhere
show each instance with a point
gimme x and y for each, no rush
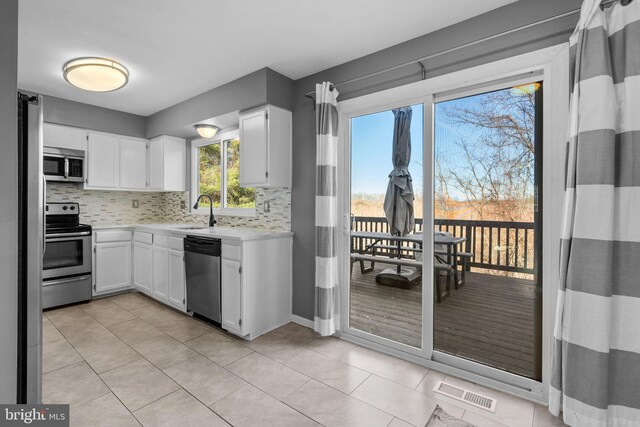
(98, 207)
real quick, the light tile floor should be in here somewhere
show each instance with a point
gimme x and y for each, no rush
(127, 360)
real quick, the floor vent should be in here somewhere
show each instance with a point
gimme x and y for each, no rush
(466, 396)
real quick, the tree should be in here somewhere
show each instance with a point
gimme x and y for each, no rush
(495, 173)
(211, 176)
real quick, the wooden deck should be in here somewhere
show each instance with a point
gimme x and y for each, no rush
(489, 320)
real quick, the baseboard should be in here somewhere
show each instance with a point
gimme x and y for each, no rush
(302, 321)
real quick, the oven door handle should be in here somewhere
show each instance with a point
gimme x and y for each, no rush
(63, 281)
(70, 235)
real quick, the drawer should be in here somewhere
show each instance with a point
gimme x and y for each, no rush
(230, 252)
(112, 236)
(160, 240)
(143, 237)
(176, 243)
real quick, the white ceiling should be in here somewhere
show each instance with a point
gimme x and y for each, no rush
(176, 49)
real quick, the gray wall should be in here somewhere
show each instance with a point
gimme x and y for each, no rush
(71, 113)
(261, 87)
(511, 16)
(9, 197)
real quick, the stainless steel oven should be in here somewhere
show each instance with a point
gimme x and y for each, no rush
(67, 254)
(63, 165)
(66, 266)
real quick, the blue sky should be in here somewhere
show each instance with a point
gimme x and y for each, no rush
(372, 137)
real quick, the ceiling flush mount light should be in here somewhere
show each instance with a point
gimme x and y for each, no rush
(207, 131)
(96, 74)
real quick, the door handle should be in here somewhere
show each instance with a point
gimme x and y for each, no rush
(44, 214)
(63, 281)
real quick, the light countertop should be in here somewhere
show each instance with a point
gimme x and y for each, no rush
(235, 233)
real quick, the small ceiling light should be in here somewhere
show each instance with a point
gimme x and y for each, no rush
(207, 131)
(96, 74)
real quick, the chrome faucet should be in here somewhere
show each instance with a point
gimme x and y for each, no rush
(212, 219)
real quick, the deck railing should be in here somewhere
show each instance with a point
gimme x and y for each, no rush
(495, 245)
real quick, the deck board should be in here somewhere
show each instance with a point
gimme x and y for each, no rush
(490, 319)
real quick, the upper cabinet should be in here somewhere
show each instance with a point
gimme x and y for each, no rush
(133, 163)
(265, 147)
(167, 163)
(116, 162)
(102, 161)
(59, 136)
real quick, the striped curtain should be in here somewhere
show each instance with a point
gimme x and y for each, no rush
(596, 361)
(327, 305)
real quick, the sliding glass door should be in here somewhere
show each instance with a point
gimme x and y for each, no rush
(487, 260)
(385, 204)
(462, 284)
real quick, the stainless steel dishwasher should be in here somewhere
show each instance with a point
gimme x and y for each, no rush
(202, 265)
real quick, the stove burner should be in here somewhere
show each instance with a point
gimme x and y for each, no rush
(62, 218)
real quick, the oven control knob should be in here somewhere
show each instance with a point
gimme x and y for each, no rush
(73, 208)
(64, 208)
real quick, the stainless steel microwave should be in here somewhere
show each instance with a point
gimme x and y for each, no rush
(63, 165)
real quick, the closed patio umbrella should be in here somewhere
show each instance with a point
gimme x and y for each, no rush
(398, 202)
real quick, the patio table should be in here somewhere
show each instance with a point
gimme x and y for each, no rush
(450, 242)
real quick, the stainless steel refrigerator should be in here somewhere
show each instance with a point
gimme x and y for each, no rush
(31, 247)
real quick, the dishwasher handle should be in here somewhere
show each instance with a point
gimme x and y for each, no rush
(200, 245)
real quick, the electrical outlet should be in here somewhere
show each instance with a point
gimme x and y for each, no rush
(266, 206)
(183, 204)
(135, 204)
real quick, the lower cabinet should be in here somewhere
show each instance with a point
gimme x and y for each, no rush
(177, 279)
(142, 258)
(158, 268)
(112, 261)
(231, 295)
(160, 273)
(256, 285)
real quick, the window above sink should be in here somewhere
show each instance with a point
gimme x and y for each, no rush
(215, 171)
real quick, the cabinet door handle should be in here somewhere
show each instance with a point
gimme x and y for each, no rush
(266, 174)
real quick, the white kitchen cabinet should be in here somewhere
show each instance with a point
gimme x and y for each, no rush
(256, 285)
(59, 136)
(102, 161)
(112, 262)
(160, 273)
(142, 261)
(159, 268)
(116, 162)
(133, 163)
(231, 296)
(177, 279)
(167, 164)
(265, 147)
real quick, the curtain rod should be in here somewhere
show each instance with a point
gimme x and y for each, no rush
(462, 46)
